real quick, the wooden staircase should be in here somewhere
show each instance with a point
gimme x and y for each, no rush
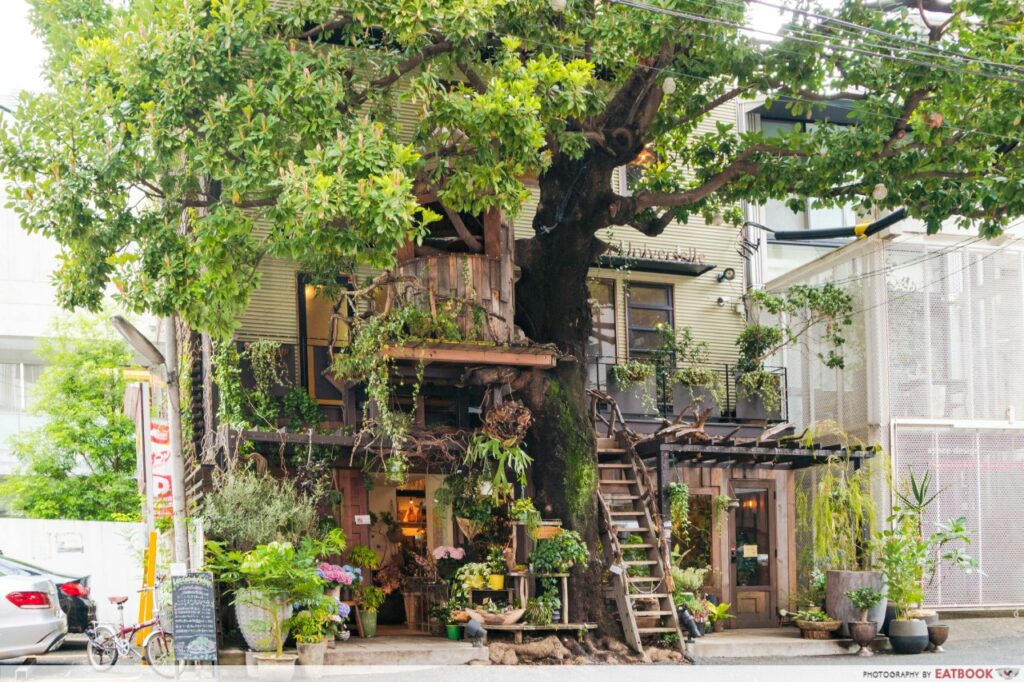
(635, 550)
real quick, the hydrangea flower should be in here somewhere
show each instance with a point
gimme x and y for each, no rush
(344, 610)
(444, 552)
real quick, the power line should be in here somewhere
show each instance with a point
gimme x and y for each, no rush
(833, 104)
(729, 24)
(874, 31)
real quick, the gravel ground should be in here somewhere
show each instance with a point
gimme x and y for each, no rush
(972, 641)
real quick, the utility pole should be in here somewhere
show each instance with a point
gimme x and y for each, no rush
(174, 424)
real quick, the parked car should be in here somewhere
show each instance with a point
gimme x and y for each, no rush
(31, 620)
(72, 592)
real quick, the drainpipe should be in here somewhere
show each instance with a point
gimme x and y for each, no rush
(861, 230)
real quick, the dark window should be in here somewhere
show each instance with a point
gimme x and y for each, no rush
(316, 308)
(648, 308)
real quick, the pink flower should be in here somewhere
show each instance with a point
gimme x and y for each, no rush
(444, 552)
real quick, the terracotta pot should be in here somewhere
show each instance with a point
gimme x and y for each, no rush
(908, 636)
(863, 634)
(937, 636)
(275, 668)
(311, 654)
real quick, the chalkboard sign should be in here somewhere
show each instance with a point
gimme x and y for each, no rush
(195, 618)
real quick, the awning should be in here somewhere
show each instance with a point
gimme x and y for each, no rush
(668, 267)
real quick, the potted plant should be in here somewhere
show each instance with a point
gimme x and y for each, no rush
(695, 383)
(311, 627)
(863, 631)
(335, 577)
(558, 554)
(908, 557)
(472, 576)
(718, 614)
(523, 511)
(369, 599)
(443, 613)
(344, 612)
(268, 580)
(448, 559)
(539, 611)
(632, 384)
(815, 624)
(842, 517)
(496, 565)
(364, 557)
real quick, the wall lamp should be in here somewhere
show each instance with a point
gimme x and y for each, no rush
(727, 275)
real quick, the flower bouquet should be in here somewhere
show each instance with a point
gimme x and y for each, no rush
(448, 559)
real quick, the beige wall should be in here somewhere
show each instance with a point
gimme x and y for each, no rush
(272, 312)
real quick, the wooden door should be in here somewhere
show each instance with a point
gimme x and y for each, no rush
(752, 549)
(355, 500)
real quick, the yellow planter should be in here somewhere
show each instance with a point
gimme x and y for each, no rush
(495, 582)
(475, 582)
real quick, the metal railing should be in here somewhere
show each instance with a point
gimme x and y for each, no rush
(664, 398)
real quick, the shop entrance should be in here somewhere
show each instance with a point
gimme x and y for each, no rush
(752, 548)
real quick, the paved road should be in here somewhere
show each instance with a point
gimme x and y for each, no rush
(972, 641)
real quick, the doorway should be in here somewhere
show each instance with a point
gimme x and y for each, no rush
(752, 549)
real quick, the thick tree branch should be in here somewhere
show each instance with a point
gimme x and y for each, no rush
(715, 103)
(410, 64)
(472, 77)
(335, 23)
(460, 228)
(899, 129)
(244, 203)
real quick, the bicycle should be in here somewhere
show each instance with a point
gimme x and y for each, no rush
(107, 642)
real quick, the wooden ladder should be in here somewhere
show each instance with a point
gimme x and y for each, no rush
(627, 500)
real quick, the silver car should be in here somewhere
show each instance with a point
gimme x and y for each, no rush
(31, 620)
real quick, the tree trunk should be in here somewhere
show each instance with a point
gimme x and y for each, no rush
(552, 307)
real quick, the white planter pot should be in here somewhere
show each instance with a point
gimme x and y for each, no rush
(254, 619)
(274, 668)
(311, 654)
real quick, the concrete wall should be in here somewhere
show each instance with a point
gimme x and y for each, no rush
(110, 553)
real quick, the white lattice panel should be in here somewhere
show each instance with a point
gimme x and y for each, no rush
(980, 474)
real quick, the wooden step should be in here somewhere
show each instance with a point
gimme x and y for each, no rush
(607, 443)
(655, 631)
(652, 613)
(645, 562)
(637, 545)
(652, 595)
(613, 465)
(620, 496)
(627, 529)
(617, 481)
(626, 513)
(611, 451)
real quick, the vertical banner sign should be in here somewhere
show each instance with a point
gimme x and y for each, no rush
(160, 460)
(195, 619)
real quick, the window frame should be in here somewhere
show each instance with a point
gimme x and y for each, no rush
(630, 306)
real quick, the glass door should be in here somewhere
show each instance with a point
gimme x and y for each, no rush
(753, 554)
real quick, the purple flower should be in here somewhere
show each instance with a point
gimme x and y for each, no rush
(344, 610)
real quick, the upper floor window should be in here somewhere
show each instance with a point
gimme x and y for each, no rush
(779, 216)
(648, 309)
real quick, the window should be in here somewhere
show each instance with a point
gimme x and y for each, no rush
(778, 216)
(648, 307)
(601, 345)
(315, 312)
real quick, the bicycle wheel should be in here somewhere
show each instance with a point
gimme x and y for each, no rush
(102, 648)
(159, 651)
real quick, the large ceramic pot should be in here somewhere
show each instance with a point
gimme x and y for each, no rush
(254, 619)
(751, 407)
(698, 396)
(890, 616)
(908, 636)
(863, 634)
(369, 619)
(311, 654)
(639, 400)
(274, 668)
(838, 605)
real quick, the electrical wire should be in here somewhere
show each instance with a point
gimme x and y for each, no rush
(832, 104)
(729, 24)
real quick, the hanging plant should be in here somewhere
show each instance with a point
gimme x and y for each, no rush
(719, 508)
(679, 510)
(495, 457)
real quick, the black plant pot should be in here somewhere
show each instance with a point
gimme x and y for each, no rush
(863, 634)
(908, 636)
(890, 616)
(688, 623)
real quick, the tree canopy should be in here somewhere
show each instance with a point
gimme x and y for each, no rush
(80, 464)
(182, 140)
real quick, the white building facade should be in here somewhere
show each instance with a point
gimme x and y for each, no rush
(935, 375)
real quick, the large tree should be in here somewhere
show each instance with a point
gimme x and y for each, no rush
(174, 127)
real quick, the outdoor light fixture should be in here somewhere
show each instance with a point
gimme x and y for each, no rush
(557, 5)
(726, 275)
(138, 341)
(880, 192)
(668, 86)
(722, 300)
